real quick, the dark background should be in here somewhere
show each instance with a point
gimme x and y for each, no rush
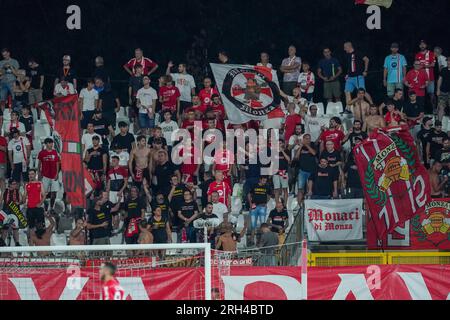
(179, 30)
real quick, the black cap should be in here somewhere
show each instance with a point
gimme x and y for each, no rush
(48, 140)
(426, 119)
(395, 45)
(438, 123)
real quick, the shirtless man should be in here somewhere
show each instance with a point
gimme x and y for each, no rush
(140, 159)
(40, 236)
(145, 236)
(78, 235)
(229, 239)
(373, 120)
(437, 183)
(359, 106)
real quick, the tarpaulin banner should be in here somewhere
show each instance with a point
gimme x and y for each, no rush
(64, 118)
(248, 92)
(396, 184)
(409, 282)
(429, 230)
(334, 220)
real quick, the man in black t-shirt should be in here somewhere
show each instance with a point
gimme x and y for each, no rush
(34, 72)
(323, 184)
(135, 209)
(278, 219)
(164, 171)
(124, 139)
(333, 158)
(101, 126)
(443, 155)
(353, 186)
(96, 157)
(443, 91)
(161, 202)
(187, 213)
(415, 113)
(100, 219)
(423, 137)
(306, 157)
(258, 198)
(355, 134)
(108, 103)
(436, 140)
(176, 195)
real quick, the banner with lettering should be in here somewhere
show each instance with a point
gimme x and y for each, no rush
(388, 282)
(396, 184)
(248, 92)
(429, 230)
(334, 220)
(63, 116)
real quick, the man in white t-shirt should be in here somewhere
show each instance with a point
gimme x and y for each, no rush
(168, 127)
(123, 155)
(146, 102)
(19, 150)
(314, 124)
(64, 88)
(88, 101)
(220, 209)
(86, 139)
(184, 82)
(14, 123)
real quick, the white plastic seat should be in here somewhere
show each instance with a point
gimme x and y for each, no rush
(335, 108)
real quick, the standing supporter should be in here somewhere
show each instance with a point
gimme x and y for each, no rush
(417, 80)
(148, 66)
(359, 106)
(423, 137)
(169, 97)
(64, 88)
(329, 71)
(222, 188)
(19, 150)
(188, 212)
(443, 91)
(146, 102)
(86, 139)
(291, 67)
(394, 70)
(139, 164)
(3, 161)
(100, 219)
(67, 73)
(49, 167)
(96, 160)
(323, 184)
(135, 209)
(259, 196)
(265, 61)
(373, 120)
(307, 82)
(168, 127)
(88, 102)
(314, 124)
(334, 134)
(108, 103)
(8, 70)
(281, 176)
(124, 139)
(34, 197)
(306, 157)
(135, 83)
(427, 61)
(292, 121)
(116, 180)
(185, 84)
(207, 93)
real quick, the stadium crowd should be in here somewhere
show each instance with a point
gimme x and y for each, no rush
(141, 195)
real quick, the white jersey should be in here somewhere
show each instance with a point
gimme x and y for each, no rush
(19, 149)
(167, 130)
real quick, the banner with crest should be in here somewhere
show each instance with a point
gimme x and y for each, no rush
(248, 92)
(396, 184)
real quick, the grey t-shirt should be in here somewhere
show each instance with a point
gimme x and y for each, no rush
(269, 239)
(8, 75)
(293, 75)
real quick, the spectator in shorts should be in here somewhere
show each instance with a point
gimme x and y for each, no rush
(8, 70)
(329, 71)
(306, 157)
(49, 167)
(394, 70)
(258, 198)
(34, 197)
(146, 102)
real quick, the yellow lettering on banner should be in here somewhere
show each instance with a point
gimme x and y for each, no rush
(382, 155)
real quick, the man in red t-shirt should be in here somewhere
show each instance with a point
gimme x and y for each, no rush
(169, 96)
(111, 289)
(49, 167)
(148, 66)
(427, 61)
(3, 158)
(223, 162)
(219, 109)
(334, 134)
(34, 197)
(292, 121)
(222, 188)
(417, 80)
(206, 94)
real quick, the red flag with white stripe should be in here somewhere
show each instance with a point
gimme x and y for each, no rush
(396, 184)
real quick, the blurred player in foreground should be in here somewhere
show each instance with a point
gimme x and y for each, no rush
(111, 287)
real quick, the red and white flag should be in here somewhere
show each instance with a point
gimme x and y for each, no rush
(396, 184)
(382, 3)
(248, 92)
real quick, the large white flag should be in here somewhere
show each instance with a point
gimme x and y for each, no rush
(248, 92)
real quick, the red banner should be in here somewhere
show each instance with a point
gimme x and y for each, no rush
(244, 283)
(396, 184)
(429, 230)
(63, 116)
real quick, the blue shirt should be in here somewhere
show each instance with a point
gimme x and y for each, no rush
(394, 65)
(329, 67)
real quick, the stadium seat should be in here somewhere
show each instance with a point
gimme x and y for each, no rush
(334, 108)
(446, 124)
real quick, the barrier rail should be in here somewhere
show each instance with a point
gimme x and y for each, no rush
(374, 258)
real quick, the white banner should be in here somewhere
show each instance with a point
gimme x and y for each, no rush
(334, 220)
(248, 92)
